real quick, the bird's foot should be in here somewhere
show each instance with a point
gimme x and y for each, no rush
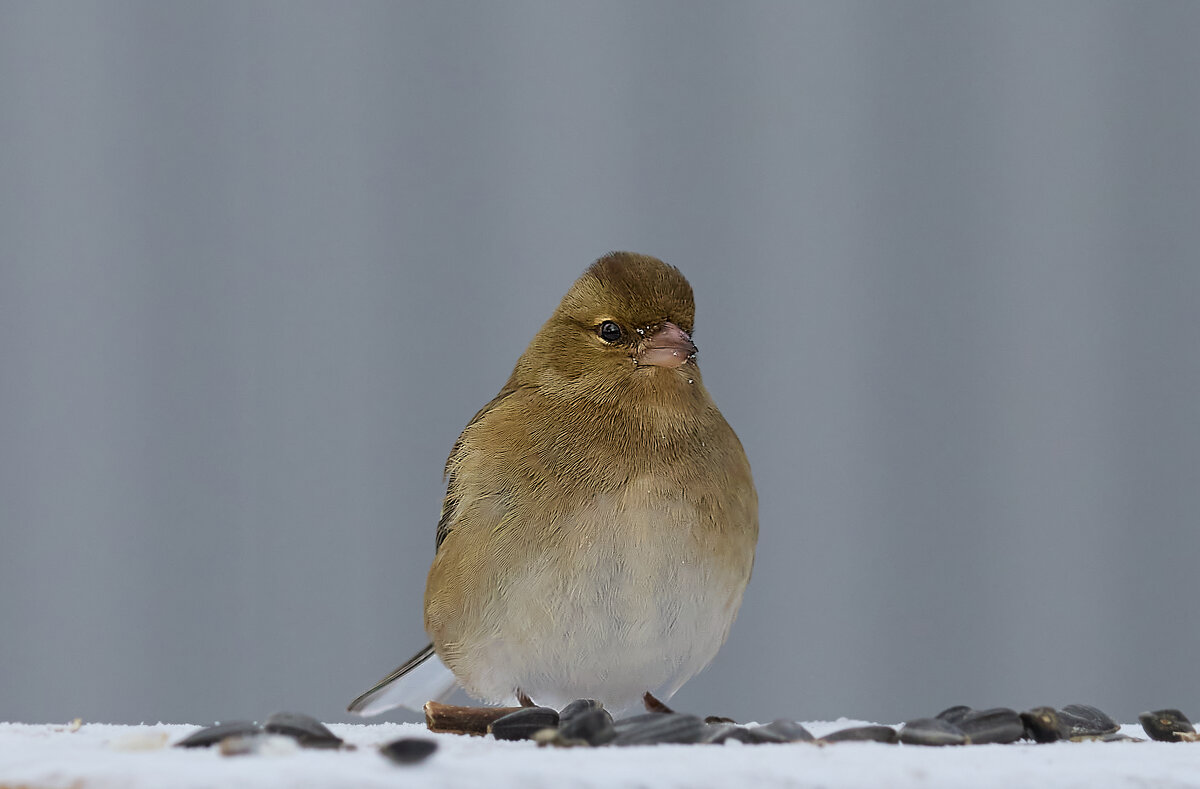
(654, 705)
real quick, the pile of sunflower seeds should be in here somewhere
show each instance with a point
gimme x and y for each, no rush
(585, 723)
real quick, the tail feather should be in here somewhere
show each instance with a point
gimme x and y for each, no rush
(423, 677)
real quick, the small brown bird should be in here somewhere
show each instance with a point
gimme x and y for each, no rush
(600, 518)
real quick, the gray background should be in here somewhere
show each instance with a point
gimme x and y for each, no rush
(260, 263)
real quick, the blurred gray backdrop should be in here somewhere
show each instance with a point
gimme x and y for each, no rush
(261, 262)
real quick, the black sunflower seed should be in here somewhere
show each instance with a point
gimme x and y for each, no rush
(593, 726)
(1166, 725)
(954, 714)
(659, 728)
(577, 707)
(861, 734)
(1042, 724)
(408, 750)
(931, 731)
(304, 729)
(635, 720)
(1083, 721)
(997, 725)
(524, 723)
(781, 730)
(212, 735)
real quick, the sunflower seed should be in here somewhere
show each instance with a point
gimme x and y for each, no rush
(593, 726)
(522, 724)
(954, 714)
(1084, 721)
(659, 728)
(1042, 724)
(634, 721)
(997, 725)
(781, 730)
(861, 734)
(212, 735)
(408, 750)
(304, 729)
(1166, 725)
(931, 731)
(577, 707)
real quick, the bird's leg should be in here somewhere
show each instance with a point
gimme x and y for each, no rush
(524, 699)
(653, 704)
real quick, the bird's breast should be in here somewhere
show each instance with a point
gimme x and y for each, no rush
(633, 591)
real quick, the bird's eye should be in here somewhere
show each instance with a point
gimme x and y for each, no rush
(609, 331)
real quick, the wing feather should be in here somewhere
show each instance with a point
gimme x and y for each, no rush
(453, 492)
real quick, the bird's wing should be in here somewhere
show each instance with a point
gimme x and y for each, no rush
(453, 493)
(422, 677)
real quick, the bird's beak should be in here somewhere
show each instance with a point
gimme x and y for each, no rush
(670, 346)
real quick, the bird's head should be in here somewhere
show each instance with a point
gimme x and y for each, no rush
(623, 328)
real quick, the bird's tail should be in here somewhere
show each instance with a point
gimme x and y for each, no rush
(423, 677)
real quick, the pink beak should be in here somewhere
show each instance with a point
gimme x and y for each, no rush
(670, 346)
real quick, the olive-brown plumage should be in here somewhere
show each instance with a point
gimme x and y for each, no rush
(600, 518)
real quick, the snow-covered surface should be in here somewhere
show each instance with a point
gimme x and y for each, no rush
(132, 757)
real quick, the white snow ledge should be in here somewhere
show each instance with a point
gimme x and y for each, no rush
(97, 756)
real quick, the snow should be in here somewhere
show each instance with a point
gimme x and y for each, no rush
(96, 756)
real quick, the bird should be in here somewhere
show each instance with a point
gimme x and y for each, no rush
(600, 517)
